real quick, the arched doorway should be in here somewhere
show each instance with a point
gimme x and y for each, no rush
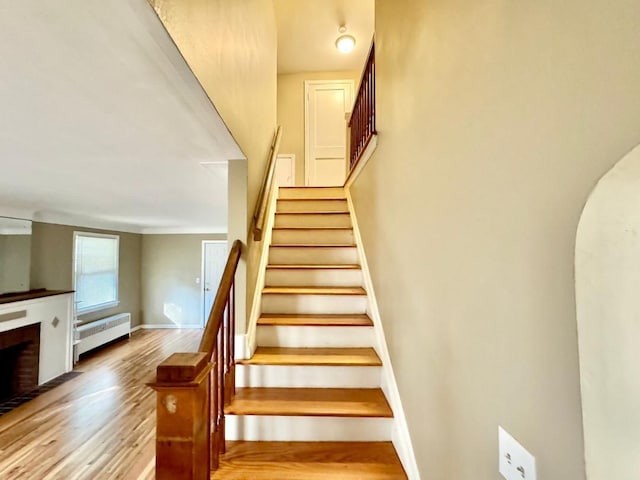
(608, 311)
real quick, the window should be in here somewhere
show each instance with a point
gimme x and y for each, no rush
(95, 271)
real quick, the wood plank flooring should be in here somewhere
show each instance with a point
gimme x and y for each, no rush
(99, 425)
(309, 461)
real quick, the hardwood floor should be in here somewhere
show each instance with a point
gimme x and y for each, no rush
(99, 425)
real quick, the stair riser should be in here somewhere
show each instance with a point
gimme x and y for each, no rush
(337, 192)
(310, 237)
(313, 220)
(307, 429)
(314, 278)
(284, 206)
(313, 256)
(314, 304)
(307, 376)
(314, 337)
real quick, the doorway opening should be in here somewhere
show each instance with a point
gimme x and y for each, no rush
(214, 258)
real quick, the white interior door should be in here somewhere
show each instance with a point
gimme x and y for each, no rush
(286, 170)
(326, 131)
(214, 258)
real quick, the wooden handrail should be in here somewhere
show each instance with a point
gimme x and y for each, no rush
(260, 214)
(189, 384)
(218, 342)
(362, 124)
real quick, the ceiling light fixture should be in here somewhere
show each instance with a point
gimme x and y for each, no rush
(345, 43)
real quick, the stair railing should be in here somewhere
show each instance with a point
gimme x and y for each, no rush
(193, 389)
(362, 125)
(260, 214)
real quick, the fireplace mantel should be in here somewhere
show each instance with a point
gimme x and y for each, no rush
(54, 312)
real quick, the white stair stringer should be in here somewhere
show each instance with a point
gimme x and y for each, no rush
(401, 438)
(315, 336)
(276, 428)
(307, 376)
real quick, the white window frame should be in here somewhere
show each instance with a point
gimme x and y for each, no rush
(102, 306)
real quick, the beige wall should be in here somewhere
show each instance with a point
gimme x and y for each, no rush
(496, 119)
(52, 265)
(15, 260)
(231, 46)
(291, 110)
(607, 279)
(170, 266)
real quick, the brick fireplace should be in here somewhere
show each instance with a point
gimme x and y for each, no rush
(20, 358)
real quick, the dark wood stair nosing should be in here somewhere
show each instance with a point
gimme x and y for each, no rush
(315, 320)
(313, 245)
(311, 402)
(319, 212)
(297, 266)
(313, 228)
(312, 290)
(314, 357)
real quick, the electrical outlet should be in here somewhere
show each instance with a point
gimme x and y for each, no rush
(515, 463)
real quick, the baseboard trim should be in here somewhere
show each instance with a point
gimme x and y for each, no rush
(400, 435)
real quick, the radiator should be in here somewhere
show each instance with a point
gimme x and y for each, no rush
(92, 335)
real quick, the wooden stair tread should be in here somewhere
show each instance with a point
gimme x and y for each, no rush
(355, 357)
(315, 320)
(315, 212)
(314, 291)
(309, 461)
(312, 228)
(312, 402)
(295, 199)
(313, 245)
(338, 266)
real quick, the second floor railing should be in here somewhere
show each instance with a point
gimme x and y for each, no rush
(362, 125)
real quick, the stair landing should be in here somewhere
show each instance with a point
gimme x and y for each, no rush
(309, 461)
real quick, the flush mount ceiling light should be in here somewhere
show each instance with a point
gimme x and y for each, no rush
(345, 43)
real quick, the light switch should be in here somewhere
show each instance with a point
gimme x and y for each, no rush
(197, 280)
(515, 463)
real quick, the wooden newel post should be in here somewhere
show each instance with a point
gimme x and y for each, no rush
(183, 424)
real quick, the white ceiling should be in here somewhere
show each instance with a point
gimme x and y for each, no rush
(102, 120)
(308, 29)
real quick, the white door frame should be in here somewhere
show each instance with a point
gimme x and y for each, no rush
(203, 315)
(307, 153)
(293, 164)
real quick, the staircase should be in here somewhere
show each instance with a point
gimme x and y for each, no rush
(308, 403)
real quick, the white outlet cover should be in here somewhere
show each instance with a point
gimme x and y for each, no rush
(515, 462)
